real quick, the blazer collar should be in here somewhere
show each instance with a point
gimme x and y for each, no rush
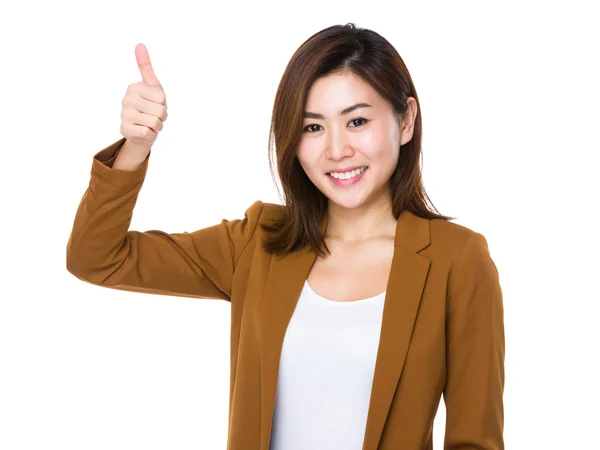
(404, 289)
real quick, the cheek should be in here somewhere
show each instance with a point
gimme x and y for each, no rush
(380, 153)
(382, 146)
(306, 155)
(373, 140)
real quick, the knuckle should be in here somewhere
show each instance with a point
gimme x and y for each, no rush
(161, 96)
(127, 101)
(148, 133)
(131, 89)
(126, 114)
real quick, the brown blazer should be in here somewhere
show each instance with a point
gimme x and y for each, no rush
(442, 328)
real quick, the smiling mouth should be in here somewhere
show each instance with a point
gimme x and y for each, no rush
(345, 176)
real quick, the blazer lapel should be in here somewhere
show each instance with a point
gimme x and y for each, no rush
(403, 296)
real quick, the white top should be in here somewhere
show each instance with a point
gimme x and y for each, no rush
(326, 373)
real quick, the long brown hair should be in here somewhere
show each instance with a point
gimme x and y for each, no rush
(347, 49)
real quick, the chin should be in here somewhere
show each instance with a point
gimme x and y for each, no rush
(347, 202)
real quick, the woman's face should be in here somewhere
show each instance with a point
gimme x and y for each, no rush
(335, 141)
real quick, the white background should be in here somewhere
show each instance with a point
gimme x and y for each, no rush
(509, 95)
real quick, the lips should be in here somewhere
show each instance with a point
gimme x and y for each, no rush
(343, 181)
(347, 169)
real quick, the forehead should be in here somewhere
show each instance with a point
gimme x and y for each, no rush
(333, 91)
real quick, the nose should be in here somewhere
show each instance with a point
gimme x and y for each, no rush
(338, 145)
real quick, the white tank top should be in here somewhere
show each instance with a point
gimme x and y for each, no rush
(326, 373)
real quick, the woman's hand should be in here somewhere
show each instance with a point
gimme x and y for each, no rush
(144, 109)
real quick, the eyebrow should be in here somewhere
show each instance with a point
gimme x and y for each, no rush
(312, 115)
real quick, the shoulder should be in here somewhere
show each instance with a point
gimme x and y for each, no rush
(457, 241)
(464, 249)
(269, 211)
(257, 213)
(449, 232)
(272, 208)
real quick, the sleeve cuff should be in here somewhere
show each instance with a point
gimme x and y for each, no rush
(103, 161)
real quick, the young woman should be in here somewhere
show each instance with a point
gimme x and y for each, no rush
(354, 307)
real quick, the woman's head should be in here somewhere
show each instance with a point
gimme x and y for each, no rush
(334, 69)
(348, 125)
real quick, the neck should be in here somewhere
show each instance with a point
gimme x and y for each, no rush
(368, 221)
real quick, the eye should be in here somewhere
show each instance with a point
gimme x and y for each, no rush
(311, 130)
(360, 118)
(307, 128)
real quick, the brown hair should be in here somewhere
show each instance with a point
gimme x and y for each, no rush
(339, 48)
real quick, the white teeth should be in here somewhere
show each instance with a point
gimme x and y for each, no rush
(347, 175)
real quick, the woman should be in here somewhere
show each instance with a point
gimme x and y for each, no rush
(354, 307)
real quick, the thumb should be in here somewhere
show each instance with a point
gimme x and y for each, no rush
(143, 62)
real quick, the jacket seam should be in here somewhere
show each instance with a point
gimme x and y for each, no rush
(458, 267)
(235, 263)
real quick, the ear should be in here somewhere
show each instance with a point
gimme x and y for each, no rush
(407, 121)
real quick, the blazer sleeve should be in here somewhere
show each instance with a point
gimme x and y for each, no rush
(473, 393)
(101, 249)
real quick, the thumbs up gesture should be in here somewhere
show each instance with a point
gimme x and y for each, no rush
(144, 108)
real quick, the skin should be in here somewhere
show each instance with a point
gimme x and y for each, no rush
(361, 227)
